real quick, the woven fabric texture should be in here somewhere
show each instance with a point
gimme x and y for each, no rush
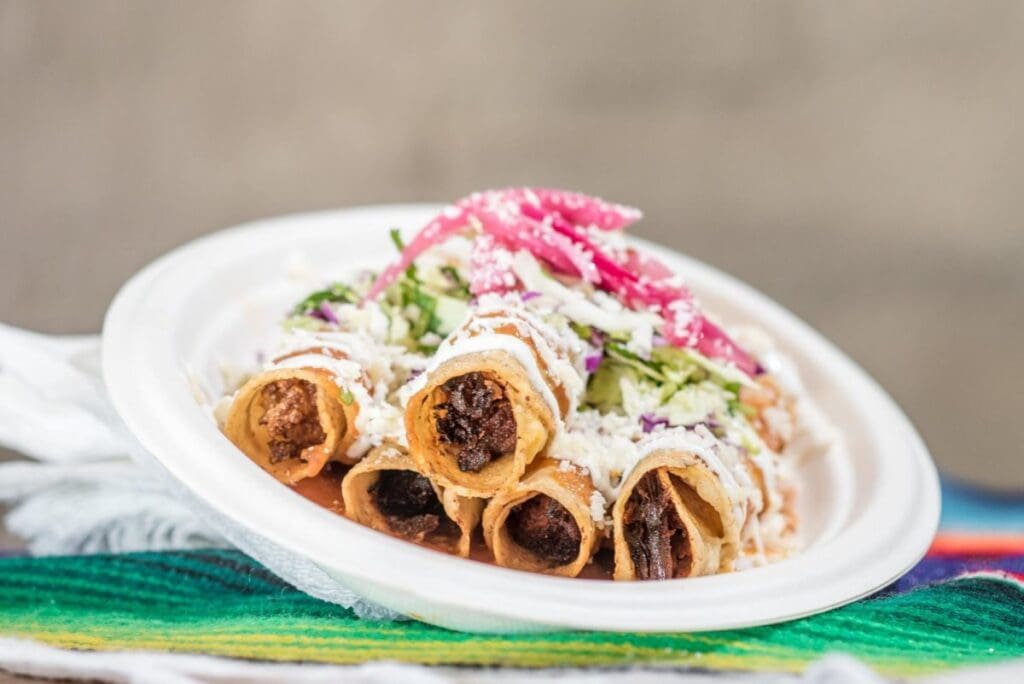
(223, 603)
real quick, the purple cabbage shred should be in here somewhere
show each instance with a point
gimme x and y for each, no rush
(325, 313)
(649, 421)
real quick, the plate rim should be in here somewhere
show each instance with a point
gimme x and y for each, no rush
(132, 342)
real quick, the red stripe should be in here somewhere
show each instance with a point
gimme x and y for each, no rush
(971, 544)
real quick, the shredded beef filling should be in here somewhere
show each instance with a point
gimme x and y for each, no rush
(477, 418)
(291, 418)
(544, 527)
(653, 531)
(409, 503)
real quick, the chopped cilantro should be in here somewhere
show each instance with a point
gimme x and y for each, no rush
(425, 303)
(584, 332)
(622, 355)
(346, 397)
(396, 237)
(338, 293)
(460, 288)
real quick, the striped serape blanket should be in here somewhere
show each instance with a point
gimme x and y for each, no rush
(961, 605)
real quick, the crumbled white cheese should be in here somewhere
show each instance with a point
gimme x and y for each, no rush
(381, 374)
(695, 403)
(559, 349)
(598, 506)
(638, 399)
(779, 421)
(641, 340)
(813, 433)
(431, 339)
(362, 366)
(604, 445)
(594, 308)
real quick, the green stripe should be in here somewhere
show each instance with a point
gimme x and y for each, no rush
(221, 602)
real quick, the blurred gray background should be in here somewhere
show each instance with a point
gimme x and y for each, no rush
(862, 162)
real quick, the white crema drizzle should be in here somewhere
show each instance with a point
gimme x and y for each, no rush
(366, 371)
(381, 377)
(560, 352)
(721, 459)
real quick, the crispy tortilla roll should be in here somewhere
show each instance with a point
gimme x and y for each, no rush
(772, 511)
(774, 415)
(544, 523)
(503, 381)
(292, 422)
(477, 423)
(673, 518)
(387, 492)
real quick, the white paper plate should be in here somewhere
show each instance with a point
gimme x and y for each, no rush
(869, 510)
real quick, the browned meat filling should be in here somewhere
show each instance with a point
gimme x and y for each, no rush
(409, 503)
(544, 527)
(654, 533)
(477, 418)
(291, 418)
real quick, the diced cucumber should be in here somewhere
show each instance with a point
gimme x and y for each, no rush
(448, 313)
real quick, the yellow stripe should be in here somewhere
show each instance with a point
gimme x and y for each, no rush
(393, 651)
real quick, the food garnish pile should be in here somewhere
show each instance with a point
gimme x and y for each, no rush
(523, 386)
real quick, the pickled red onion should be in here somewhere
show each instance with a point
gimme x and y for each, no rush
(450, 221)
(579, 209)
(490, 267)
(550, 224)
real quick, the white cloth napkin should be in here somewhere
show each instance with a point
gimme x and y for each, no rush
(92, 487)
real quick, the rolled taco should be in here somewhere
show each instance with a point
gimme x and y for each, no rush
(387, 492)
(677, 515)
(771, 525)
(544, 523)
(496, 393)
(292, 421)
(774, 412)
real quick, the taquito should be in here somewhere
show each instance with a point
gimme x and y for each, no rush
(675, 518)
(544, 523)
(292, 421)
(496, 394)
(387, 492)
(770, 529)
(773, 412)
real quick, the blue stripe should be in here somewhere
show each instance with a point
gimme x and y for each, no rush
(967, 508)
(940, 568)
